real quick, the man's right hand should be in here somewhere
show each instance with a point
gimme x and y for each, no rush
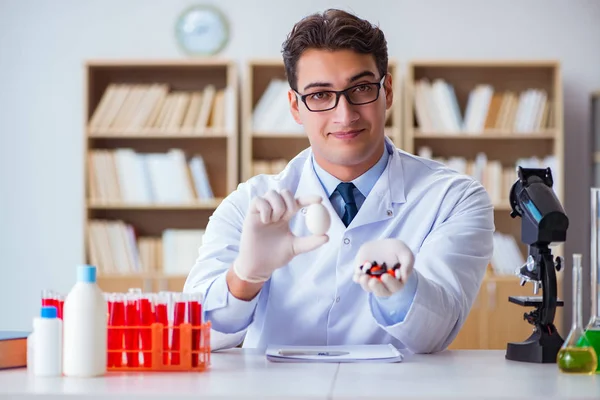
(267, 242)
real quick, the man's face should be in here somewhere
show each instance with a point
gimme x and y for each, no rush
(349, 135)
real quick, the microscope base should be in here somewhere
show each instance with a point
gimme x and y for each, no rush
(541, 347)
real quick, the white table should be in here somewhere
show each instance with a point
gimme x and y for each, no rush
(246, 374)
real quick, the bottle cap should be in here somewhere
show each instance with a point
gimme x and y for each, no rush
(49, 312)
(86, 273)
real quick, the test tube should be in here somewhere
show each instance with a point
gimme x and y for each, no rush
(116, 320)
(161, 315)
(132, 332)
(146, 316)
(49, 299)
(172, 297)
(60, 302)
(180, 316)
(195, 319)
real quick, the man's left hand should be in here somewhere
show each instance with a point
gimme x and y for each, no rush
(392, 252)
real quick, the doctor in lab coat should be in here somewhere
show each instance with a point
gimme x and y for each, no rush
(267, 280)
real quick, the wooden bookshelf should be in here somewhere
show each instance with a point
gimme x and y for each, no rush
(261, 142)
(504, 136)
(201, 120)
(199, 205)
(488, 135)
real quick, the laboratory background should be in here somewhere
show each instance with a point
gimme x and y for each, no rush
(96, 94)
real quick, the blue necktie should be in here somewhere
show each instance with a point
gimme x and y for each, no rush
(345, 190)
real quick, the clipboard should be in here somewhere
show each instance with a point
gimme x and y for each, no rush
(368, 353)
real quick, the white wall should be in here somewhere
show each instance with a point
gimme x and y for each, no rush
(44, 43)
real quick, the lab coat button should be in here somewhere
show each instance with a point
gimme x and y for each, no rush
(337, 300)
(390, 213)
(346, 241)
(303, 210)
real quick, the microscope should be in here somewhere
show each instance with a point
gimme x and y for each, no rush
(543, 221)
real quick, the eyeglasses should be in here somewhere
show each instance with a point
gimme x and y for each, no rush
(357, 95)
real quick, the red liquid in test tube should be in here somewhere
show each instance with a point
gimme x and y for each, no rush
(132, 335)
(116, 317)
(146, 321)
(60, 302)
(161, 315)
(49, 299)
(180, 317)
(195, 318)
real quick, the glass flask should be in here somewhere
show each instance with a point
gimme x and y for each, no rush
(592, 331)
(577, 356)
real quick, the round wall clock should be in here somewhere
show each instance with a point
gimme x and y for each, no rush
(202, 30)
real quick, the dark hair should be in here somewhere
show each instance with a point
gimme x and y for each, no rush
(333, 30)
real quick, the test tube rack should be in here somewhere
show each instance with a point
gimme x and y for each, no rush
(159, 354)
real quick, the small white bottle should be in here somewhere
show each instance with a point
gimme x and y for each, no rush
(84, 327)
(47, 343)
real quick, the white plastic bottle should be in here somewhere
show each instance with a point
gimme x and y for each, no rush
(84, 327)
(47, 343)
(30, 353)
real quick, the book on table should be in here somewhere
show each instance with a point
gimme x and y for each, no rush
(13, 349)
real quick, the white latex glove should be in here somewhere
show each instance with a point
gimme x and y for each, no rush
(267, 242)
(391, 252)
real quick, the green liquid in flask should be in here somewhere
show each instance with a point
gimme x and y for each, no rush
(593, 340)
(577, 360)
(577, 356)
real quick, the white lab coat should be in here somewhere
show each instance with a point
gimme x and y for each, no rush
(445, 218)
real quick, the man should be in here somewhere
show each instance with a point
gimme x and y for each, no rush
(267, 280)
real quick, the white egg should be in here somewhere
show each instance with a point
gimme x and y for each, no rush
(317, 219)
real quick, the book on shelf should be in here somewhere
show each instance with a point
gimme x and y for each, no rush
(507, 256)
(115, 249)
(268, 167)
(125, 176)
(272, 111)
(112, 247)
(154, 108)
(150, 249)
(180, 250)
(496, 178)
(437, 110)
